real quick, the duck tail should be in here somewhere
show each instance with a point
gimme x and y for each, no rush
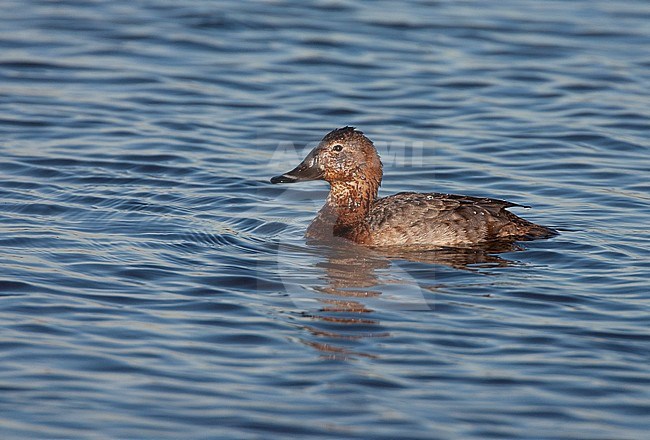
(524, 229)
(534, 232)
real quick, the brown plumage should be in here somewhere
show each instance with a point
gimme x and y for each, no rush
(349, 161)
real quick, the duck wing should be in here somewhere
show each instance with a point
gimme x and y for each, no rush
(480, 201)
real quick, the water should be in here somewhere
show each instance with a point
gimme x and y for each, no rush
(155, 285)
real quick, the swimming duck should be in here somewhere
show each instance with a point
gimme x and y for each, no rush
(349, 162)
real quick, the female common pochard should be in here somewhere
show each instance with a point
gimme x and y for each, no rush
(349, 162)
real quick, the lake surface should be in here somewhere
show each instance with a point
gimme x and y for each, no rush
(153, 284)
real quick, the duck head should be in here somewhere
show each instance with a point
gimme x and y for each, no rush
(345, 155)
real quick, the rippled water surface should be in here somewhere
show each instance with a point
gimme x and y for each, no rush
(153, 284)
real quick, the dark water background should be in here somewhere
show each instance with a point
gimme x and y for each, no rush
(153, 284)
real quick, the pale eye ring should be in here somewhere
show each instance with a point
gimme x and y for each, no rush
(337, 147)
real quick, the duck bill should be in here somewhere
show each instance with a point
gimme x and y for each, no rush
(307, 170)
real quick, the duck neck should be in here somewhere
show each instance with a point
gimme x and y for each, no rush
(350, 202)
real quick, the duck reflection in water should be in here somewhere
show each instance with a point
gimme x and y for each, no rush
(354, 294)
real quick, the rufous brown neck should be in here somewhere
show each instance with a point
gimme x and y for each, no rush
(345, 210)
(351, 201)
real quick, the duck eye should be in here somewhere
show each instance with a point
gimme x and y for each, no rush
(337, 147)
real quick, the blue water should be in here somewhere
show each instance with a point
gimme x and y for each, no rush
(153, 284)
